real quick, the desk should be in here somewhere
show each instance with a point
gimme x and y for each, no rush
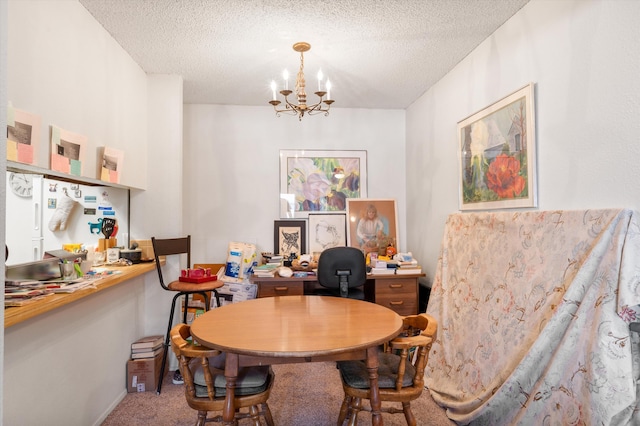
(291, 329)
(396, 292)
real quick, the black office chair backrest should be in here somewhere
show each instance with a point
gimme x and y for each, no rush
(342, 268)
(170, 246)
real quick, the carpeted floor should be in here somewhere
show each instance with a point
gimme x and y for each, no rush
(303, 395)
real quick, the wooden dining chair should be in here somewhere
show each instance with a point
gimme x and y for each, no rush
(205, 385)
(179, 246)
(400, 371)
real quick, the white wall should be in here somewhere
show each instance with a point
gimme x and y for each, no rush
(64, 67)
(3, 165)
(584, 59)
(231, 172)
(158, 210)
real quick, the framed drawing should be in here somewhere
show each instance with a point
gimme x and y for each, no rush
(67, 151)
(111, 165)
(289, 236)
(326, 231)
(320, 181)
(497, 154)
(372, 224)
(23, 135)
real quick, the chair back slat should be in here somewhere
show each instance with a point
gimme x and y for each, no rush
(170, 246)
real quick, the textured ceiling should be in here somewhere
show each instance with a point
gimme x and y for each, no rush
(377, 53)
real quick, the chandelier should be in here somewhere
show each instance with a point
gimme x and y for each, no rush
(301, 108)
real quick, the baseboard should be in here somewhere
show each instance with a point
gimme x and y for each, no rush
(111, 407)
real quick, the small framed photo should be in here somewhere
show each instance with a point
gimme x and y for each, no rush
(289, 236)
(372, 224)
(497, 154)
(327, 230)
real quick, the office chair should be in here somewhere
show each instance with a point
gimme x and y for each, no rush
(340, 270)
(400, 372)
(179, 246)
(205, 385)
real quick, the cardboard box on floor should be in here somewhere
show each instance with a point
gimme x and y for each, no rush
(143, 374)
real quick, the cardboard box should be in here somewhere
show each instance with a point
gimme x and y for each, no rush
(146, 247)
(237, 292)
(143, 374)
(192, 313)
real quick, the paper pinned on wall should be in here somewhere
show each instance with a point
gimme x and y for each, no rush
(111, 165)
(67, 151)
(23, 135)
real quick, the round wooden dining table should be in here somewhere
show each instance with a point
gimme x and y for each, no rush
(290, 329)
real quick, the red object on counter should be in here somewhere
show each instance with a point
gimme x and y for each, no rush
(198, 280)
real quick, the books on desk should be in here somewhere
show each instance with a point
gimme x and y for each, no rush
(409, 270)
(383, 271)
(265, 271)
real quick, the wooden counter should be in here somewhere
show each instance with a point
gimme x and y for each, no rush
(15, 315)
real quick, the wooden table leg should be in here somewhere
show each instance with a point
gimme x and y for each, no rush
(376, 404)
(230, 374)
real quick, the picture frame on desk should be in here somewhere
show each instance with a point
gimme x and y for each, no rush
(372, 224)
(320, 181)
(497, 154)
(289, 236)
(327, 230)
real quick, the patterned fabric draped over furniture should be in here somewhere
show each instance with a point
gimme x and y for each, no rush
(534, 310)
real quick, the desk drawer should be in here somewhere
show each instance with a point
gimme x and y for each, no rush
(400, 295)
(281, 288)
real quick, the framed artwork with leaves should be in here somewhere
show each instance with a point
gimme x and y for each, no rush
(289, 236)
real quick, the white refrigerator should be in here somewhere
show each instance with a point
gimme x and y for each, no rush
(59, 213)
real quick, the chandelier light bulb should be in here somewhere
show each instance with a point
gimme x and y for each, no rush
(285, 77)
(319, 80)
(273, 89)
(328, 86)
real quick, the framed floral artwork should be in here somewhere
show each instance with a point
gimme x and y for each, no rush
(372, 224)
(497, 154)
(320, 181)
(326, 230)
(289, 236)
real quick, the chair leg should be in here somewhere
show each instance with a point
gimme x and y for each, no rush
(186, 309)
(254, 413)
(166, 345)
(344, 409)
(267, 414)
(217, 296)
(408, 414)
(354, 408)
(202, 418)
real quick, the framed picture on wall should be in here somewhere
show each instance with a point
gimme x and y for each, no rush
(23, 135)
(289, 236)
(497, 154)
(372, 224)
(320, 181)
(67, 151)
(326, 231)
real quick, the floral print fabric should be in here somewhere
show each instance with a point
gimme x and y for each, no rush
(534, 311)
